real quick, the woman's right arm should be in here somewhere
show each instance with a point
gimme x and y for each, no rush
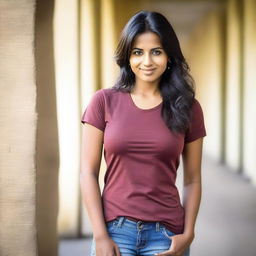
(91, 152)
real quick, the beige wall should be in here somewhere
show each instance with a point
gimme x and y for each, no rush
(107, 43)
(66, 55)
(47, 143)
(249, 91)
(18, 127)
(91, 79)
(205, 55)
(234, 86)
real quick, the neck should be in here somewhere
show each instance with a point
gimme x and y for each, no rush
(146, 88)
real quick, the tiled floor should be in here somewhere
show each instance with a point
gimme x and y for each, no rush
(226, 224)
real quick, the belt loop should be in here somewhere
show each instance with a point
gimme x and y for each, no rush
(120, 221)
(157, 226)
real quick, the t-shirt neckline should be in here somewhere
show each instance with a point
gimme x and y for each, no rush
(141, 109)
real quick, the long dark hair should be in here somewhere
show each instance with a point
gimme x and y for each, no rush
(176, 84)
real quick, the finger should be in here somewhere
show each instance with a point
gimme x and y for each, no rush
(165, 253)
(116, 252)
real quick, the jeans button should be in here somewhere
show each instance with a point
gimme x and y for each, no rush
(139, 224)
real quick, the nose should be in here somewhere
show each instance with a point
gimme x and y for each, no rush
(147, 61)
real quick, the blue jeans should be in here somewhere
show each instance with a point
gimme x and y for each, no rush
(138, 238)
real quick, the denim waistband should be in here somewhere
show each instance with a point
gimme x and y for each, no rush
(138, 224)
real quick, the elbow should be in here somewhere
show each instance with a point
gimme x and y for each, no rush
(87, 175)
(188, 180)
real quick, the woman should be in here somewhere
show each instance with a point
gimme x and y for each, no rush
(146, 121)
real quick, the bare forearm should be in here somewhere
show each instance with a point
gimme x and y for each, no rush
(92, 200)
(191, 203)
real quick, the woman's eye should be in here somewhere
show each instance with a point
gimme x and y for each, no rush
(137, 52)
(157, 52)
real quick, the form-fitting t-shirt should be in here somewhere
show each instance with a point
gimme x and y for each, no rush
(142, 156)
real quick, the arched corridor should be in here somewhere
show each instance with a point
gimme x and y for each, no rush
(56, 54)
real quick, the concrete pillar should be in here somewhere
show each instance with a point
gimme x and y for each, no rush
(233, 155)
(67, 66)
(249, 100)
(90, 72)
(47, 143)
(108, 44)
(18, 128)
(90, 23)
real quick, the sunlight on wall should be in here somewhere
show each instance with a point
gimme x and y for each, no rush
(66, 66)
(108, 44)
(233, 97)
(249, 89)
(204, 54)
(89, 53)
(90, 70)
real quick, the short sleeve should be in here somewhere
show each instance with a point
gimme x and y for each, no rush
(197, 126)
(94, 113)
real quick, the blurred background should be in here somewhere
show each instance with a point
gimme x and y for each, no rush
(56, 54)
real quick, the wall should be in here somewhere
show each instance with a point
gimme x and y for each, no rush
(67, 65)
(18, 127)
(205, 52)
(249, 90)
(47, 142)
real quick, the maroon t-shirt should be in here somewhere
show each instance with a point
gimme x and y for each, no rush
(142, 156)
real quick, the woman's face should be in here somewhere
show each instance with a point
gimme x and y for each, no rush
(148, 60)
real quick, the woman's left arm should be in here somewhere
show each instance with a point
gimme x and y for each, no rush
(192, 156)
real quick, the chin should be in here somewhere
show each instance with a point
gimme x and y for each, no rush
(149, 79)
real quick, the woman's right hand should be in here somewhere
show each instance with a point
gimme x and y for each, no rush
(105, 246)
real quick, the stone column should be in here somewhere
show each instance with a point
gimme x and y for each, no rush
(47, 144)
(233, 150)
(249, 107)
(18, 128)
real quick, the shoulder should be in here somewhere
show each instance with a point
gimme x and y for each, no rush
(109, 91)
(196, 127)
(196, 103)
(196, 107)
(109, 94)
(107, 98)
(102, 94)
(106, 92)
(196, 113)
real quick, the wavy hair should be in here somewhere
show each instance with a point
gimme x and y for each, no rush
(176, 84)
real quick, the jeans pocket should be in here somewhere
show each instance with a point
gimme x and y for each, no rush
(111, 225)
(167, 233)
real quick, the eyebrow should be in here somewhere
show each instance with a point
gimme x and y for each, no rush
(151, 49)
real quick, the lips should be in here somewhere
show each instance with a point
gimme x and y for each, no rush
(147, 69)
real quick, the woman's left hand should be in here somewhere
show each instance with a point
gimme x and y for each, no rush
(179, 244)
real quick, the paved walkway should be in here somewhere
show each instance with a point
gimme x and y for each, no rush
(226, 223)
